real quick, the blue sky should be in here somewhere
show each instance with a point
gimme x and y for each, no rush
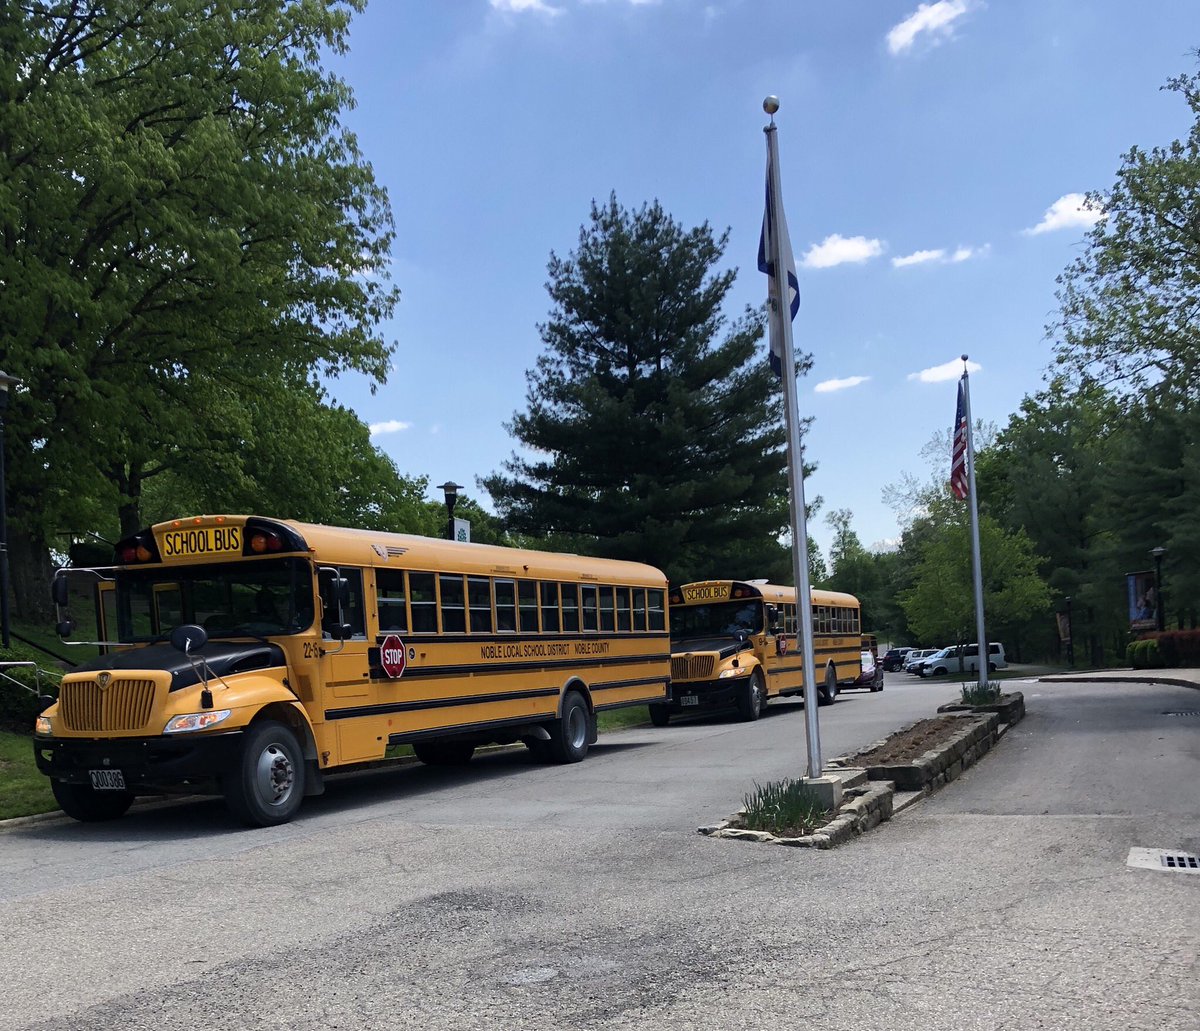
(929, 152)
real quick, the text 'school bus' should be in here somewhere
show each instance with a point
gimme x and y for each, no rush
(249, 656)
(736, 644)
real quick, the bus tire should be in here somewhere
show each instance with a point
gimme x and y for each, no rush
(569, 733)
(827, 695)
(266, 785)
(443, 753)
(84, 803)
(660, 715)
(751, 697)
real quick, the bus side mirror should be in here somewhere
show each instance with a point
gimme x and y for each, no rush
(341, 587)
(189, 637)
(65, 627)
(58, 590)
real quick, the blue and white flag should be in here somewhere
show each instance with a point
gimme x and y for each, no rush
(767, 244)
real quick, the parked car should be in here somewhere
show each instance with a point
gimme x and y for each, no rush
(894, 658)
(948, 660)
(914, 657)
(871, 676)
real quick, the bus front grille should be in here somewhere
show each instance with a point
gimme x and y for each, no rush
(693, 667)
(119, 705)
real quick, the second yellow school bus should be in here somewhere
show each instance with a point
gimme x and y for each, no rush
(250, 656)
(736, 644)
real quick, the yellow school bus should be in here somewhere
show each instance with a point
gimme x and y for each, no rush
(735, 644)
(248, 657)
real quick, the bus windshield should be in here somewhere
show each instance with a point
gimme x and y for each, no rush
(272, 596)
(716, 619)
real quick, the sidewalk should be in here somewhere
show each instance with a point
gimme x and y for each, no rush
(1178, 677)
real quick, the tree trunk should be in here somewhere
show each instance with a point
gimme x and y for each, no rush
(30, 570)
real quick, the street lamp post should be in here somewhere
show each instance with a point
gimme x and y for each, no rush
(6, 381)
(451, 489)
(1070, 636)
(1160, 610)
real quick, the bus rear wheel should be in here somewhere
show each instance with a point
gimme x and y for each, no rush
(660, 715)
(266, 785)
(569, 733)
(751, 697)
(443, 753)
(84, 803)
(828, 692)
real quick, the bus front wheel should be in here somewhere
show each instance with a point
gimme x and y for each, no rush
(569, 733)
(266, 785)
(750, 697)
(84, 803)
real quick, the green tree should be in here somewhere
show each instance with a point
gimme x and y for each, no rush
(184, 223)
(1129, 303)
(941, 603)
(653, 429)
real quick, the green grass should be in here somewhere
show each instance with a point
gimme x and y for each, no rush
(615, 719)
(787, 808)
(45, 637)
(23, 790)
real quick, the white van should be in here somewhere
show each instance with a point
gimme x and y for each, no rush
(946, 661)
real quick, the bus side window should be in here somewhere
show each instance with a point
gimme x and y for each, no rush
(549, 593)
(570, 608)
(656, 601)
(623, 608)
(639, 608)
(389, 585)
(354, 611)
(423, 602)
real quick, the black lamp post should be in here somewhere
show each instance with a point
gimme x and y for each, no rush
(1070, 636)
(1160, 612)
(6, 381)
(451, 490)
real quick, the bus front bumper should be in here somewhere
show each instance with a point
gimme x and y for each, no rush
(144, 762)
(702, 695)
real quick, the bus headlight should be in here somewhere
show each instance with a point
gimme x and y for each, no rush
(733, 671)
(195, 721)
(43, 727)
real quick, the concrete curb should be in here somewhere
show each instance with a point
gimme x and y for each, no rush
(1139, 678)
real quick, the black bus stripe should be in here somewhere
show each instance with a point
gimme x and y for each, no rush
(386, 708)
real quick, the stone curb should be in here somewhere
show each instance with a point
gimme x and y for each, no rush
(867, 808)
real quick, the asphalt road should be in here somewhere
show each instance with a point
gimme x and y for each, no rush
(546, 897)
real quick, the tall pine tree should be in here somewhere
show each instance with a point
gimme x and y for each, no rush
(653, 429)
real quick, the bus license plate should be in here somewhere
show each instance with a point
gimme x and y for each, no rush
(689, 699)
(107, 780)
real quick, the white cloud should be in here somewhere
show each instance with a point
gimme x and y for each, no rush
(940, 255)
(838, 250)
(390, 426)
(918, 258)
(937, 19)
(521, 6)
(1070, 211)
(830, 385)
(940, 373)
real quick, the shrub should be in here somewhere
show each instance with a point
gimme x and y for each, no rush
(787, 808)
(20, 687)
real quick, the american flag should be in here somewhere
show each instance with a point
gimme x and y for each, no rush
(958, 453)
(773, 224)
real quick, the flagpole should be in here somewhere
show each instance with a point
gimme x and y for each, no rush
(795, 455)
(976, 560)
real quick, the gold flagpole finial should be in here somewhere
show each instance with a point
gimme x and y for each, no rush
(771, 105)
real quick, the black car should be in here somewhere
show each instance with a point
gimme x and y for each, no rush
(893, 659)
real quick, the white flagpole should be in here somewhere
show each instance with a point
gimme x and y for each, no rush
(795, 456)
(976, 560)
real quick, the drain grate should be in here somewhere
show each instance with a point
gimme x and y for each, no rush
(1184, 712)
(1163, 859)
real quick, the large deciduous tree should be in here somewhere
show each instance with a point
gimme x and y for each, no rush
(184, 224)
(653, 427)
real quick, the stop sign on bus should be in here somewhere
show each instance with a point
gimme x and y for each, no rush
(391, 656)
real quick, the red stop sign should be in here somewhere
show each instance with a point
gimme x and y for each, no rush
(391, 656)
